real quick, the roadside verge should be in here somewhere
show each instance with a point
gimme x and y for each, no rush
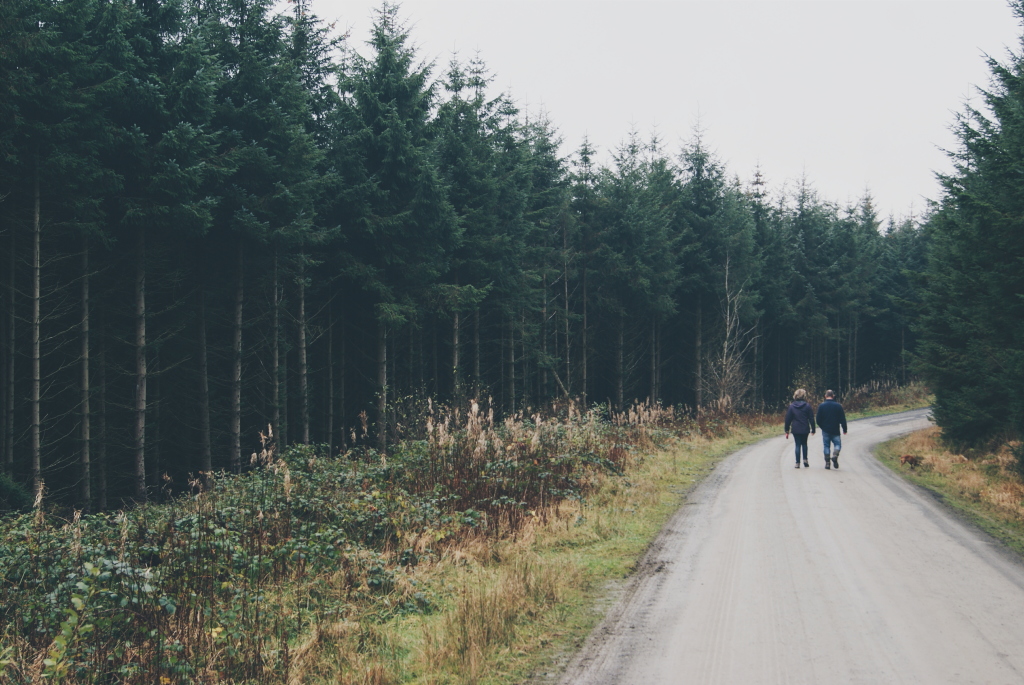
(984, 489)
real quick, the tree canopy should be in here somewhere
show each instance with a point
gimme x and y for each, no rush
(219, 220)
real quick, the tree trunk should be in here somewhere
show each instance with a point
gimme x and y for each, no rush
(849, 355)
(456, 383)
(903, 353)
(584, 344)
(620, 370)
(411, 366)
(544, 338)
(341, 386)
(154, 441)
(36, 324)
(382, 385)
(11, 342)
(101, 457)
(653, 361)
(568, 345)
(659, 366)
(303, 365)
(476, 353)
(85, 493)
(206, 449)
(275, 353)
(284, 440)
(699, 358)
(758, 367)
(839, 357)
(329, 416)
(778, 364)
(236, 375)
(511, 363)
(140, 368)
(434, 375)
(525, 369)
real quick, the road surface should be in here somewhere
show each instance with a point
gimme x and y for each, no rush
(771, 574)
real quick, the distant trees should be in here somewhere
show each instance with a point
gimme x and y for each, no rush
(216, 219)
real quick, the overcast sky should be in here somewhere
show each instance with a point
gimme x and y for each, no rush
(854, 94)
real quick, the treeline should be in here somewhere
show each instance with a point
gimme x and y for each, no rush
(972, 321)
(217, 219)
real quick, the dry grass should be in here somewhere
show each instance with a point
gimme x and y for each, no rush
(988, 480)
(481, 603)
(487, 615)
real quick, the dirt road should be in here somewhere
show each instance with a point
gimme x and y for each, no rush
(775, 575)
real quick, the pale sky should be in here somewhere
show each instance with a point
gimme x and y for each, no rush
(854, 94)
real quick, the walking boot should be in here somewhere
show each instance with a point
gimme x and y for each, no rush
(806, 465)
(827, 464)
(835, 462)
(798, 463)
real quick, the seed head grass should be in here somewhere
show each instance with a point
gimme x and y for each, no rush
(472, 552)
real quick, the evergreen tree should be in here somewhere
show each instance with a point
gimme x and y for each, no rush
(972, 327)
(403, 242)
(637, 258)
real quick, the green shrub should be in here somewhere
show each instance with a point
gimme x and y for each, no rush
(14, 497)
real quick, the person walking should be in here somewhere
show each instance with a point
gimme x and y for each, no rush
(800, 418)
(831, 418)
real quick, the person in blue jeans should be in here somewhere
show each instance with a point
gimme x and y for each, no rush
(831, 418)
(800, 418)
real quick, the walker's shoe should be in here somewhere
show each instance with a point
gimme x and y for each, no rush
(827, 467)
(798, 464)
(835, 462)
(806, 465)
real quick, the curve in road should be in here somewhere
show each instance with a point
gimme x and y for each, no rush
(771, 574)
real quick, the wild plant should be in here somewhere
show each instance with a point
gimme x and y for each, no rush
(246, 577)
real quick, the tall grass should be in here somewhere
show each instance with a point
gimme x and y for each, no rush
(303, 568)
(241, 581)
(989, 478)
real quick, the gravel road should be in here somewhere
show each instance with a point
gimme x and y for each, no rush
(771, 574)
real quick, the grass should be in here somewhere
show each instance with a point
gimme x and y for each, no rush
(596, 546)
(524, 605)
(484, 552)
(986, 489)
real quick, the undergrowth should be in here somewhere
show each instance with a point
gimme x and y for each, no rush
(240, 582)
(450, 559)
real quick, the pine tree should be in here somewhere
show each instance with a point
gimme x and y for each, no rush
(403, 242)
(972, 327)
(464, 131)
(637, 259)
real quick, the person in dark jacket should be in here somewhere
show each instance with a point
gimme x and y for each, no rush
(831, 418)
(800, 418)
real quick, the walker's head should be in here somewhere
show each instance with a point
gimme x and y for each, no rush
(799, 394)
(830, 395)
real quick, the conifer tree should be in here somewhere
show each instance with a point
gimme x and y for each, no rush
(637, 257)
(466, 153)
(404, 240)
(972, 327)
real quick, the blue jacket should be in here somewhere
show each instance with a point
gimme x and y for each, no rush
(800, 417)
(831, 417)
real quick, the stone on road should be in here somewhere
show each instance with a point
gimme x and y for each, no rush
(771, 574)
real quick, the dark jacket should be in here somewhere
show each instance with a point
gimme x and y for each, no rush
(831, 417)
(800, 417)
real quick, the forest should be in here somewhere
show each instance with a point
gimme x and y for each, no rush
(220, 220)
